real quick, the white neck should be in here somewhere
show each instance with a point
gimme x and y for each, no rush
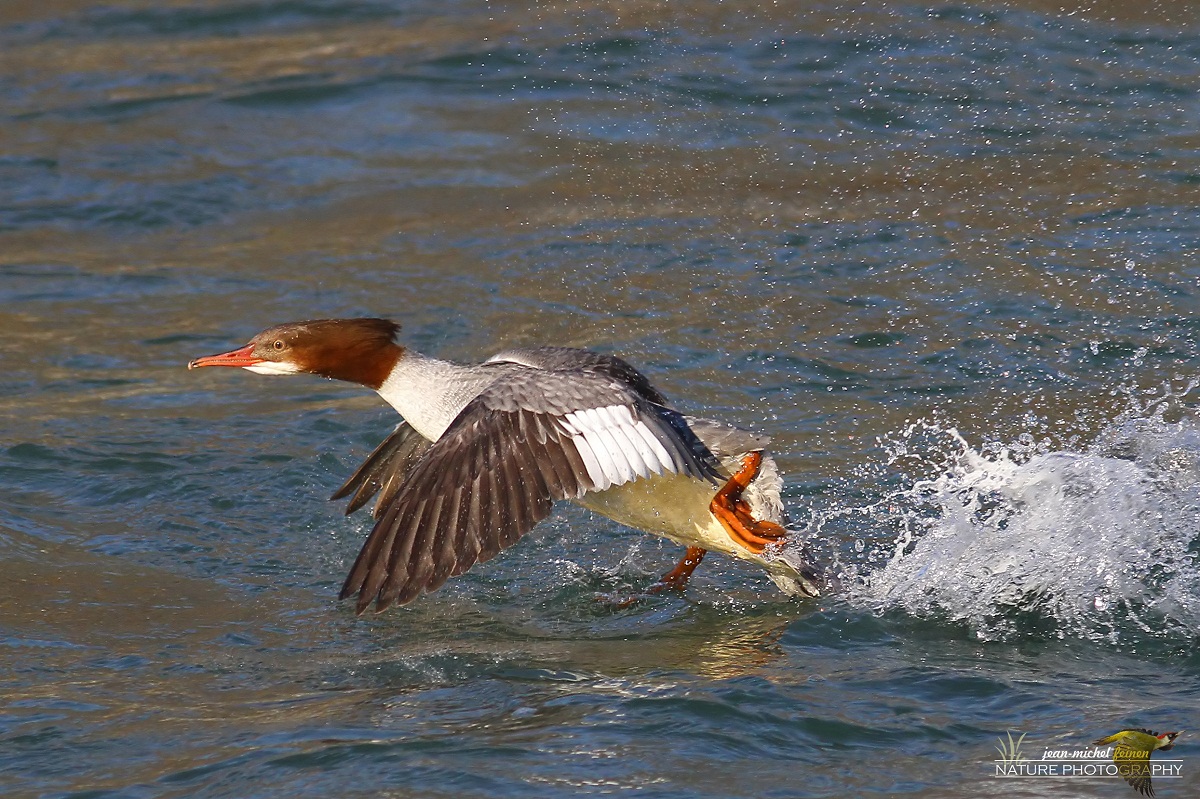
(429, 393)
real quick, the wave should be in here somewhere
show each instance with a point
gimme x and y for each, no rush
(1020, 539)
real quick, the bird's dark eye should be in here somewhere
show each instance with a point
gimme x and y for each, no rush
(278, 344)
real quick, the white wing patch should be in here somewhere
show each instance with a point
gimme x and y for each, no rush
(615, 447)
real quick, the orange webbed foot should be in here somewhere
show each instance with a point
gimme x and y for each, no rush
(674, 580)
(733, 512)
(677, 578)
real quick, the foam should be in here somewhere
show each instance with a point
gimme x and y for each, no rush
(1099, 544)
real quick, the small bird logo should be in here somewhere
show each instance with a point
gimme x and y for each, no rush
(1132, 755)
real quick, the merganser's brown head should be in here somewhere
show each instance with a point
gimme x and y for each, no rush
(356, 350)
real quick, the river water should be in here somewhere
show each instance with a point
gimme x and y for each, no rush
(946, 254)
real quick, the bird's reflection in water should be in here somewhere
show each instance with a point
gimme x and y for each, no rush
(700, 640)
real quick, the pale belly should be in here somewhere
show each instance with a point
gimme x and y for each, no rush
(671, 506)
(677, 508)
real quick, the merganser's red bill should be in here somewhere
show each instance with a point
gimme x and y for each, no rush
(241, 357)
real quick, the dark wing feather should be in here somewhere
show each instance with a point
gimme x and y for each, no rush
(493, 475)
(384, 469)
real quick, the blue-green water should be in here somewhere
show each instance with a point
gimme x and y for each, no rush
(946, 254)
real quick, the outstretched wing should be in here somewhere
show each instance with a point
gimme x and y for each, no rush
(384, 469)
(1133, 764)
(531, 438)
(569, 359)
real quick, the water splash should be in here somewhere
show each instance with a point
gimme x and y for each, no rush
(1021, 539)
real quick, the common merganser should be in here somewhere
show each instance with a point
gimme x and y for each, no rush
(485, 449)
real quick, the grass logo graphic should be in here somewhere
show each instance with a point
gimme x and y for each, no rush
(1010, 750)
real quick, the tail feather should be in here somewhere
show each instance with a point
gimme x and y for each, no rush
(795, 573)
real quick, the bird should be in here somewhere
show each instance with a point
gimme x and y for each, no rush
(484, 450)
(1132, 754)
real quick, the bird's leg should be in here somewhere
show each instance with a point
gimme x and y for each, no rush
(733, 512)
(674, 580)
(677, 578)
